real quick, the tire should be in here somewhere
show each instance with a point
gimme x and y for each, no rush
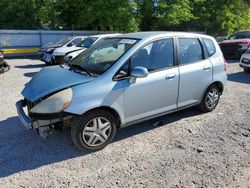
(246, 70)
(93, 130)
(211, 99)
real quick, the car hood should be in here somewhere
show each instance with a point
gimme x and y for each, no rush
(64, 50)
(45, 47)
(52, 79)
(235, 41)
(75, 53)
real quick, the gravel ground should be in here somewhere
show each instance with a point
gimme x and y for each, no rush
(191, 149)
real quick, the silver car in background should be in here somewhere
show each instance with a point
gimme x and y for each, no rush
(123, 80)
(245, 61)
(46, 51)
(63, 54)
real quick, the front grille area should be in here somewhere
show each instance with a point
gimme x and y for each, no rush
(59, 59)
(38, 116)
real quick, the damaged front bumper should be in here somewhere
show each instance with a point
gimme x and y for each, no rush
(44, 124)
(26, 121)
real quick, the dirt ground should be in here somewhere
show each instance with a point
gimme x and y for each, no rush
(191, 149)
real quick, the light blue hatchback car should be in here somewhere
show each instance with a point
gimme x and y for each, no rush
(124, 80)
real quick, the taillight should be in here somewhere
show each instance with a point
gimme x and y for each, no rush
(225, 64)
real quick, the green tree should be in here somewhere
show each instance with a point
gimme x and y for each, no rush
(114, 15)
(211, 16)
(174, 13)
(19, 14)
(220, 17)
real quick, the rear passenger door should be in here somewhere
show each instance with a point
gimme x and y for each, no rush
(195, 71)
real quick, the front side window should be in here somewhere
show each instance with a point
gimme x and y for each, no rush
(155, 56)
(210, 46)
(189, 50)
(86, 43)
(103, 55)
(76, 41)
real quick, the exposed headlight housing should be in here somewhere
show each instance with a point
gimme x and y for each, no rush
(55, 103)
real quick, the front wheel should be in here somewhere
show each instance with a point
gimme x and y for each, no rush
(210, 99)
(94, 130)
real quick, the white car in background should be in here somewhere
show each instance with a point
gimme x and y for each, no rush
(68, 42)
(62, 54)
(245, 61)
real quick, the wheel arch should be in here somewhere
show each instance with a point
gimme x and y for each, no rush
(111, 110)
(219, 85)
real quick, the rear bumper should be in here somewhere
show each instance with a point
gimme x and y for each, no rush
(245, 63)
(26, 121)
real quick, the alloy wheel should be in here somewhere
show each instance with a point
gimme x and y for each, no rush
(212, 98)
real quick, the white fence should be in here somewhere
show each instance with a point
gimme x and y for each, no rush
(35, 38)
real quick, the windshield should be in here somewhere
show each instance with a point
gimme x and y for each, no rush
(86, 43)
(64, 41)
(103, 54)
(240, 35)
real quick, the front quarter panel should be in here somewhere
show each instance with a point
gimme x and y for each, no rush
(97, 94)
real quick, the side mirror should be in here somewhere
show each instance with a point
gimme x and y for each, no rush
(70, 44)
(138, 72)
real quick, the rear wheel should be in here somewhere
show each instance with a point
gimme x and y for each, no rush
(94, 130)
(210, 99)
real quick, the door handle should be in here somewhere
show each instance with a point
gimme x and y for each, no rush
(206, 68)
(170, 76)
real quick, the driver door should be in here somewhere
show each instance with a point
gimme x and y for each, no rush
(157, 93)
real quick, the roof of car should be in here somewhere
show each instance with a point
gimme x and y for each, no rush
(146, 35)
(105, 35)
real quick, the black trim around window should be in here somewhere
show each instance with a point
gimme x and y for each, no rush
(205, 46)
(175, 55)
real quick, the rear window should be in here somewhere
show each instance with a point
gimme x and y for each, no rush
(210, 46)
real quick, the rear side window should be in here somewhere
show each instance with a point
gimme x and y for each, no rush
(210, 46)
(189, 50)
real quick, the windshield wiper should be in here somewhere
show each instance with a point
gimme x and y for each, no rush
(74, 67)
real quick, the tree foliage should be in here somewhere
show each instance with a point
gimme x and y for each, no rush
(211, 16)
